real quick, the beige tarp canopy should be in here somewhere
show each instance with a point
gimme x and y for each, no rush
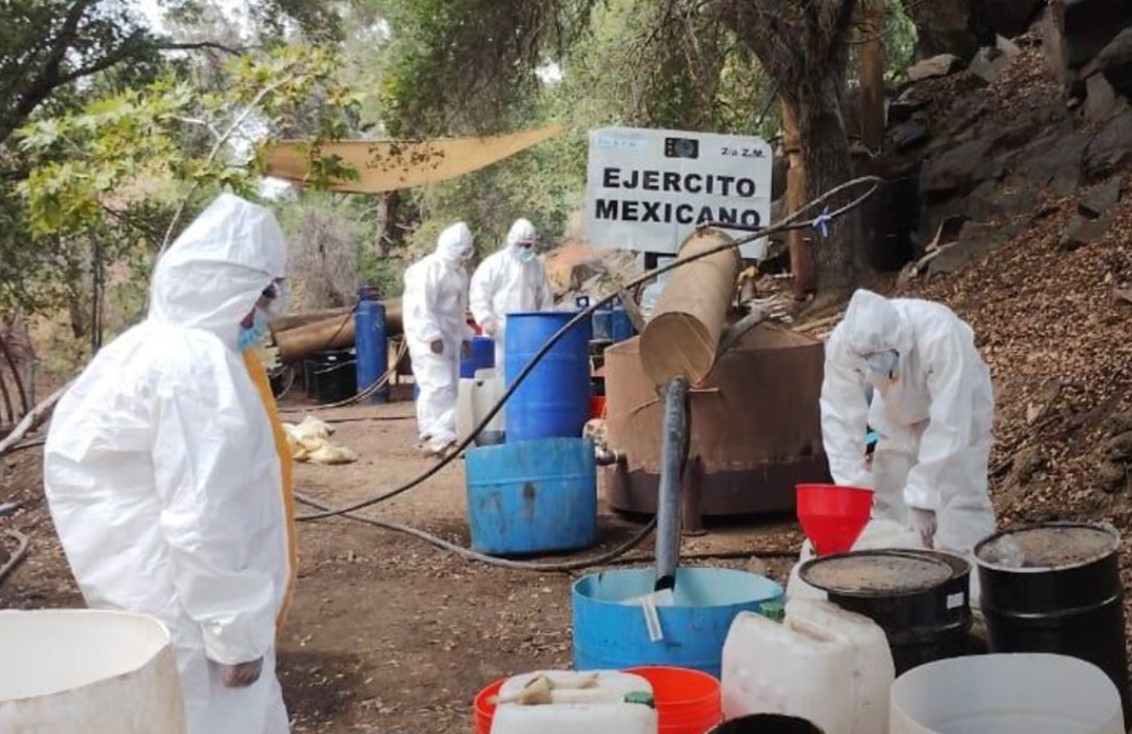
(387, 165)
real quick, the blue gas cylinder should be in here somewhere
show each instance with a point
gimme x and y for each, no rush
(370, 344)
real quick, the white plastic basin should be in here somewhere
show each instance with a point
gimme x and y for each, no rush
(73, 670)
(1025, 693)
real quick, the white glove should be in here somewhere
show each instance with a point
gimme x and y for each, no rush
(242, 675)
(490, 328)
(923, 522)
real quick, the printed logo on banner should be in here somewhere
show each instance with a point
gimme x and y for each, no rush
(648, 189)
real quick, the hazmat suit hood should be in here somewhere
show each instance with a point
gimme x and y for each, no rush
(216, 270)
(873, 324)
(454, 244)
(521, 231)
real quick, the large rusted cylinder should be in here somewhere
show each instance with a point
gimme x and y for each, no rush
(682, 337)
(755, 425)
(333, 333)
(294, 321)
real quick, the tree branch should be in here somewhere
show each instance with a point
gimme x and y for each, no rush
(203, 46)
(259, 97)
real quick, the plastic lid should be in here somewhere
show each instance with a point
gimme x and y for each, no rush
(1048, 547)
(875, 573)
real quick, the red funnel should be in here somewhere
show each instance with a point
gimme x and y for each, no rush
(833, 516)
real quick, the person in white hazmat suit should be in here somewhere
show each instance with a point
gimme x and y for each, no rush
(932, 410)
(435, 306)
(163, 479)
(511, 280)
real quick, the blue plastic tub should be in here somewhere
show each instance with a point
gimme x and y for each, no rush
(370, 345)
(553, 401)
(481, 356)
(611, 635)
(532, 497)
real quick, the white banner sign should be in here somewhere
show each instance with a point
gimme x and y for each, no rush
(648, 189)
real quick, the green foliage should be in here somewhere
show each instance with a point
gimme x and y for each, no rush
(119, 168)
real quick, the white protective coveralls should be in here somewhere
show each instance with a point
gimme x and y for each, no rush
(512, 280)
(435, 305)
(163, 479)
(933, 416)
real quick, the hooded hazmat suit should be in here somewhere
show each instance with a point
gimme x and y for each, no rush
(435, 305)
(509, 281)
(932, 413)
(163, 479)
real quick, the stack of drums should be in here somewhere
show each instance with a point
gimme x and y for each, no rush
(537, 491)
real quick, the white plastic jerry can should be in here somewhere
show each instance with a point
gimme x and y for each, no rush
(594, 702)
(487, 389)
(822, 664)
(873, 669)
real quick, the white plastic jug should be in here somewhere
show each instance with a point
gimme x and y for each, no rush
(878, 533)
(599, 709)
(486, 392)
(1021, 693)
(822, 664)
(465, 409)
(72, 671)
(871, 658)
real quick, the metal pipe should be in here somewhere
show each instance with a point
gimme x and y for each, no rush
(673, 454)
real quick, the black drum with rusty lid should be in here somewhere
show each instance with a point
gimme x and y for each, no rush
(1057, 588)
(918, 597)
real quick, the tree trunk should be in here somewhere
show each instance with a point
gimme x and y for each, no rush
(825, 158)
(870, 56)
(802, 46)
(798, 242)
(390, 236)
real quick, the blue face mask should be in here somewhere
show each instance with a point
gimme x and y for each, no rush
(883, 363)
(250, 335)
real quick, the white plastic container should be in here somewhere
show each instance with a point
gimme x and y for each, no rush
(465, 409)
(878, 533)
(822, 664)
(486, 392)
(1023, 693)
(871, 658)
(596, 710)
(75, 671)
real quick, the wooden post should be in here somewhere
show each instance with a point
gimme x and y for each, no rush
(870, 57)
(801, 259)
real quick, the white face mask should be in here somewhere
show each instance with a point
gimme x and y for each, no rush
(526, 254)
(884, 363)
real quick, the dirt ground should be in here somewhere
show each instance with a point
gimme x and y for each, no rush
(389, 634)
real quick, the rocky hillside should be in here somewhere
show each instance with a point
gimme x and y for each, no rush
(1020, 162)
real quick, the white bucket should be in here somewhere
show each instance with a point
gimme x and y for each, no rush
(77, 670)
(1023, 693)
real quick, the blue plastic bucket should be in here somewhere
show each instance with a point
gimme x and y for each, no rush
(370, 345)
(620, 327)
(553, 401)
(532, 497)
(611, 635)
(481, 356)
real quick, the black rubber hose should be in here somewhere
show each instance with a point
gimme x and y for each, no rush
(471, 555)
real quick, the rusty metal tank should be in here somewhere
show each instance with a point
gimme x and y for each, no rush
(755, 425)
